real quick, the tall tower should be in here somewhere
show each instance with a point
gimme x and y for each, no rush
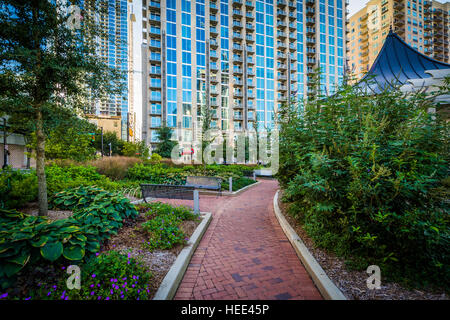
(242, 59)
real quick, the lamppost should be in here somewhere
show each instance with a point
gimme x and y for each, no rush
(5, 156)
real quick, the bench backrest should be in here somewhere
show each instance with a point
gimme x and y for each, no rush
(213, 182)
(167, 191)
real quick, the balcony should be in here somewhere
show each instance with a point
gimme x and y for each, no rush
(249, 4)
(293, 26)
(293, 36)
(237, 47)
(213, 19)
(282, 88)
(399, 22)
(213, 43)
(237, 71)
(251, 107)
(292, 47)
(237, 82)
(250, 73)
(281, 24)
(237, 116)
(214, 103)
(237, 3)
(213, 7)
(250, 60)
(153, 5)
(281, 45)
(249, 27)
(238, 106)
(281, 55)
(310, 41)
(292, 15)
(427, 4)
(310, 31)
(213, 68)
(249, 16)
(154, 19)
(281, 13)
(237, 25)
(293, 56)
(213, 55)
(237, 59)
(311, 61)
(237, 13)
(213, 31)
(282, 77)
(310, 2)
(310, 21)
(214, 92)
(310, 11)
(310, 51)
(281, 34)
(237, 36)
(281, 66)
(249, 38)
(250, 49)
(281, 3)
(214, 79)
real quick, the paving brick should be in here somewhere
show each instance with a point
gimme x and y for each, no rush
(244, 254)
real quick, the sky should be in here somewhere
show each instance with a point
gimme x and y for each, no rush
(355, 5)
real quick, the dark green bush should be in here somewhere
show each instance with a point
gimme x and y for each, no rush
(362, 174)
(17, 188)
(163, 227)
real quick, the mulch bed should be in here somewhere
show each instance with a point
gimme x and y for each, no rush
(352, 283)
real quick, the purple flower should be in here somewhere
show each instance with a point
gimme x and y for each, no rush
(107, 298)
(92, 293)
(4, 295)
(93, 275)
(29, 298)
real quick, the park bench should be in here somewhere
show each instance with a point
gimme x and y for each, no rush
(206, 183)
(171, 191)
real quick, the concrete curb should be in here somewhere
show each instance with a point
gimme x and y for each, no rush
(172, 280)
(326, 287)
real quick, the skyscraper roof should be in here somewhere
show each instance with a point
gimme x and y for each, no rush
(397, 63)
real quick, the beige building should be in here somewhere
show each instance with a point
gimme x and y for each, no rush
(424, 25)
(108, 123)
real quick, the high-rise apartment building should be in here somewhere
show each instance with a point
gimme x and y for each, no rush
(423, 24)
(242, 59)
(113, 47)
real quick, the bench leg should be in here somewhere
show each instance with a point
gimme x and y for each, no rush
(196, 202)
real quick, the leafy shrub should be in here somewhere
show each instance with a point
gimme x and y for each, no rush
(155, 158)
(97, 215)
(163, 228)
(26, 239)
(361, 173)
(156, 174)
(100, 212)
(17, 188)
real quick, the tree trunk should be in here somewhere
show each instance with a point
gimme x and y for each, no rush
(40, 164)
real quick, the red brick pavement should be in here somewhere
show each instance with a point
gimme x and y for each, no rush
(244, 254)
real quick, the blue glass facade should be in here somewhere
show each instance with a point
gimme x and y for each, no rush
(246, 58)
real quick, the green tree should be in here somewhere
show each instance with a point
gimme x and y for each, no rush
(135, 149)
(108, 137)
(47, 66)
(166, 145)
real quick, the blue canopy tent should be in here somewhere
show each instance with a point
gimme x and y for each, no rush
(398, 64)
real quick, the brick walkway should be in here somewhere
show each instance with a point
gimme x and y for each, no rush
(244, 254)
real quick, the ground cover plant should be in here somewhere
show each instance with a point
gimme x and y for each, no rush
(365, 175)
(163, 226)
